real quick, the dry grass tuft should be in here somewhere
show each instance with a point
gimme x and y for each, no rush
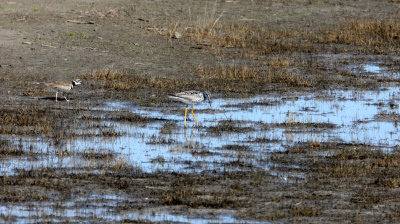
(7, 148)
(107, 74)
(229, 126)
(232, 73)
(203, 25)
(259, 39)
(31, 120)
(97, 154)
(379, 35)
(369, 176)
(350, 161)
(244, 79)
(218, 79)
(256, 39)
(288, 79)
(120, 80)
(279, 62)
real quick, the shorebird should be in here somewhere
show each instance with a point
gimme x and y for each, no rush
(62, 86)
(190, 98)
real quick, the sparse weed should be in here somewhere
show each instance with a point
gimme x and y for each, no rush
(228, 126)
(218, 79)
(108, 74)
(7, 149)
(377, 35)
(121, 164)
(279, 62)
(32, 120)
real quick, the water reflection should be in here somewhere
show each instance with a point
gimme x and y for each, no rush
(372, 68)
(376, 70)
(77, 211)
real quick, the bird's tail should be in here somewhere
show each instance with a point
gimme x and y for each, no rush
(172, 96)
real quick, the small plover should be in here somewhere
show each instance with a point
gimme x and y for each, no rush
(62, 86)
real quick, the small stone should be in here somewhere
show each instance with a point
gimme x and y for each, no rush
(393, 105)
(177, 35)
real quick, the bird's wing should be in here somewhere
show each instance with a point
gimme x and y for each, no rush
(55, 84)
(187, 94)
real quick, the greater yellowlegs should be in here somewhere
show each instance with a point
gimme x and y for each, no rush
(62, 86)
(190, 98)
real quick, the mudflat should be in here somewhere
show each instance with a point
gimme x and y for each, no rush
(303, 125)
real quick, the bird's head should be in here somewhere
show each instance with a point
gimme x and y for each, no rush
(76, 82)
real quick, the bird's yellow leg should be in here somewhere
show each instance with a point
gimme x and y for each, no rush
(194, 116)
(185, 115)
